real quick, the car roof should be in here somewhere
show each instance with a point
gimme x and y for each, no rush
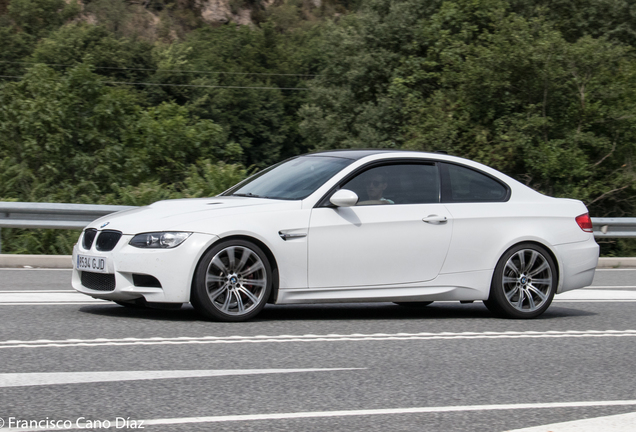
(357, 154)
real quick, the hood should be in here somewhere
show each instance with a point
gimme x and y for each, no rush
(178, 214)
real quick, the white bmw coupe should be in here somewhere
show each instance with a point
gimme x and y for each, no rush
(345, 226)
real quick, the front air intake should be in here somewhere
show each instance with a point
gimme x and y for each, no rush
(98, 281)
(142, 280)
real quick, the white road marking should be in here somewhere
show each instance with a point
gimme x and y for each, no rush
(39, 291)
(615, 423)
(44, 297)
(49, 297)
(52, 378)
(597, 294)
(349, 413)
(614, 269)
(390, 411)
(35, 269)
(355, 337)
(596, 301)
(89, 302)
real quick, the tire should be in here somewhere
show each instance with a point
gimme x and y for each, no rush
(232, 281)
(524, 282)
(413, 304)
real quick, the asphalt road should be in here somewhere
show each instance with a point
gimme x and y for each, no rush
(374, 367)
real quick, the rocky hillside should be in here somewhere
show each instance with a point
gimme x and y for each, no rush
(172, 19)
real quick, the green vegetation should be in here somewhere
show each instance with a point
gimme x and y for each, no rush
(125, 102)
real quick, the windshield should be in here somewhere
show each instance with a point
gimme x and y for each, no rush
(294, 179)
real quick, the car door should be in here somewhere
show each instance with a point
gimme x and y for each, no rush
(483, 219)
(398, 233)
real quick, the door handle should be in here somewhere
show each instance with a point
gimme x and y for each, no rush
(435, 219)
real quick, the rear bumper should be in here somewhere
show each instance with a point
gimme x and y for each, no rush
(577, 264)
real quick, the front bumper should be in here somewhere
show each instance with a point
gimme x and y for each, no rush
(172, 268)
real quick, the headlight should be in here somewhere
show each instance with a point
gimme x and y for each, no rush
(159, 240)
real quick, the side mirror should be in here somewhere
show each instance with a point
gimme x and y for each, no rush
(344, 198)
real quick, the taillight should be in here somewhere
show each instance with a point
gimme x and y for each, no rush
(585, 222)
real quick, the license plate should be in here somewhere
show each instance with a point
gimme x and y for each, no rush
(91, 264)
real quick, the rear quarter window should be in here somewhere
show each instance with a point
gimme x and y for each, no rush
(463, 184)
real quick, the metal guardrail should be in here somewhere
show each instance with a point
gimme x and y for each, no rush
(614, 227)
(77, 216)
(53, 215)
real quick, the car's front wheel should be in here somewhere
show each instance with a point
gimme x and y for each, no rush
(524, 282)
(232, 281)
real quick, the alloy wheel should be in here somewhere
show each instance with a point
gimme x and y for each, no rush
(236, 280)
(527, 280)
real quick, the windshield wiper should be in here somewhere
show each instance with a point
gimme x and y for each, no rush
(250, 195)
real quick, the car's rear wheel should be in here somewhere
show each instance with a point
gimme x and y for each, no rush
(524, 282)
(232, 281)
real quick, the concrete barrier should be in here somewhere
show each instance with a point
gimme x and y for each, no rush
(36, 261)
(617, 262)
(65, 261)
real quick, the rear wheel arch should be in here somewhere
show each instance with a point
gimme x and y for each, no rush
(548, 249)
(557, 263)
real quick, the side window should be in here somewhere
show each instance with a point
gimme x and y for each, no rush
(463, 184)
(402, 183)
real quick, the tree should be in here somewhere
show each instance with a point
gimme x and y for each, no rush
(72, 138)
(613, 19)
(38, 17)
(121, 59)
(554, 114)
(349, 105)
(237, 77)
(69, 137)
(16, 46)
(480, 81)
